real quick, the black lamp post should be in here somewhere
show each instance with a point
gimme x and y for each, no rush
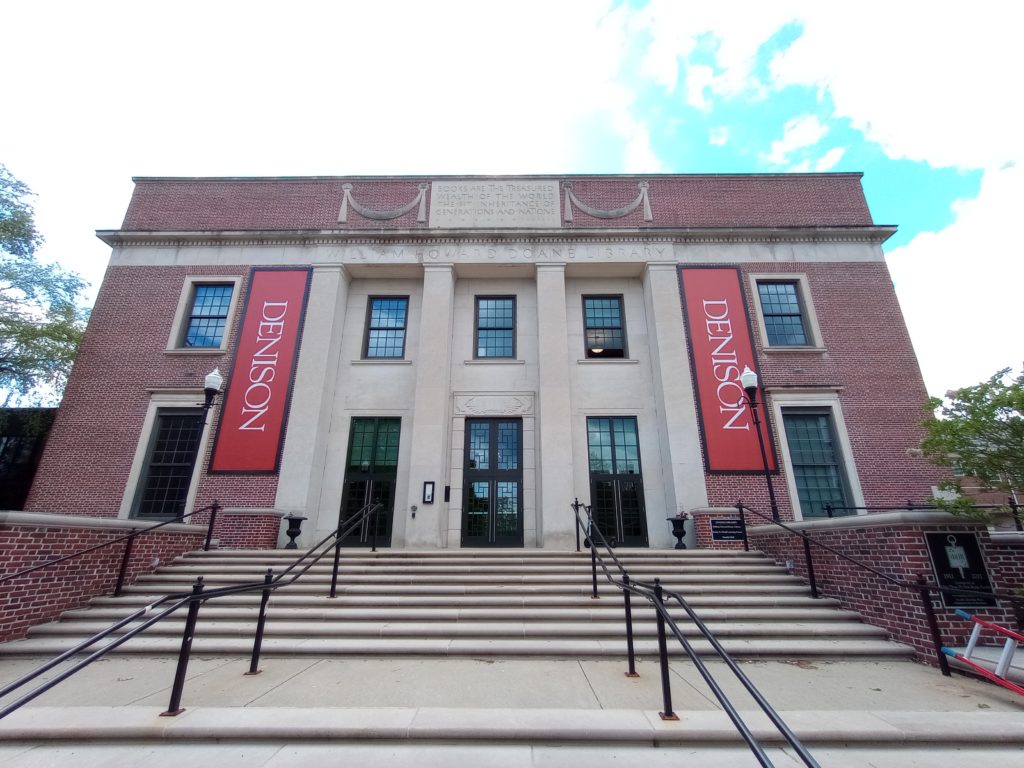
(748, 380)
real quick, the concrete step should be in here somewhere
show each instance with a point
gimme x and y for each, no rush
(328, 611)
(326, 647)
(301, 630)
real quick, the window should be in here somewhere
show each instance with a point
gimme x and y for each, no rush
(817, 465)
(170, 463)
(604, 330)
(202, 320)
(385, 327)
(782, 313)
(495, 326)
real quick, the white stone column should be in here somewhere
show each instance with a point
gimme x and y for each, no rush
(555, 464)
(673, 390)
(305, 446)
(431, 418)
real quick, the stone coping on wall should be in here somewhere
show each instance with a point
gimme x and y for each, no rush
(43, 520)
(256, 511)
(873, 520)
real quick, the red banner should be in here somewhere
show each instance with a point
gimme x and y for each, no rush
(718, 329)
(255, 408)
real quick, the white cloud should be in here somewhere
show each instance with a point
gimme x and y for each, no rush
(829, 160)
(960, 288)
(699, 78)
(799, 133)
(719, 136)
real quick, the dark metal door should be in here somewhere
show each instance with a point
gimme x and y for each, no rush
(492, 505)
(616, 482)
(370, 477)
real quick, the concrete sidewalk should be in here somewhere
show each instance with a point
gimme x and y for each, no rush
(519, 684)
(517, 713)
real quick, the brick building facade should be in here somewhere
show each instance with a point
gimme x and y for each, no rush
(477, 352)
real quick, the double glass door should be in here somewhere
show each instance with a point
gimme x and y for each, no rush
(616, 480)
(370, 477)
(492, 508)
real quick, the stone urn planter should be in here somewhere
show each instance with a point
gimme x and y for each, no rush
(679, 528)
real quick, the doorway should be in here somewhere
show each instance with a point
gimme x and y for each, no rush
(370, 477)
(492, 507)
(616, 480)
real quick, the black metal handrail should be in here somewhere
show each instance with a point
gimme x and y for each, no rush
(655, 594)
(129, 539)
(193, 599)
(921, 586)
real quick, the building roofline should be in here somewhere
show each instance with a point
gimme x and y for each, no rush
(565, 176)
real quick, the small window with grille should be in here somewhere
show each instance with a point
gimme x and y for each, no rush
(495, 334)
(783, 314)
(604, 327)
(385, 327)
(814, 454)
(208, 316)
(170, 462)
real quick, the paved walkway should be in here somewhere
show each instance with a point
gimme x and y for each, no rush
(406, 713)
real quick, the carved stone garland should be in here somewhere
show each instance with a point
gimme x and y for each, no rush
(369, 213)
(614, 213)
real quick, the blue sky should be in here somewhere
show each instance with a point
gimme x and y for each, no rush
(919, 97)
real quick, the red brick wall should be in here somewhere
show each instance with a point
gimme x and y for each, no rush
(901, 552)
(88, 456)
(44, 595)
(870, 359)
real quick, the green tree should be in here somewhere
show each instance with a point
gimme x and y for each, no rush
(41, 319)
(979, 430)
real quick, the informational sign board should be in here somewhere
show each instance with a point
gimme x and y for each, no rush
(957, 563)
(724, 529)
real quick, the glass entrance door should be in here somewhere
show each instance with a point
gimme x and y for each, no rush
(616, 482)
(492, 506)
(370, 477)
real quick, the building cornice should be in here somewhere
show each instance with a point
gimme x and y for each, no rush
(866, 234)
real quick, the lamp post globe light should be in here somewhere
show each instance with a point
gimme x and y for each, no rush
(748, 380)
(211, 387)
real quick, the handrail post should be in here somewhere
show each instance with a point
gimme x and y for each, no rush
(576, 513)
(810, 567)
(175, 708)
(593, 554)
(629, 627)
(666, 686)
(337, 557)
(933, 625)
(129, 542)
(209, 528)
(373, 528)
(260, 623)
(743, 525)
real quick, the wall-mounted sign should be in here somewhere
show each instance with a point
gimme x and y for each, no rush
(957, 562)
(718, 331)
(724, 529)
(255, 409)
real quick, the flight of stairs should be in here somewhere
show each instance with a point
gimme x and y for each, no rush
(473, 603)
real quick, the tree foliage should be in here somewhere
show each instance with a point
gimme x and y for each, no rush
(979, 430)
(41, 320)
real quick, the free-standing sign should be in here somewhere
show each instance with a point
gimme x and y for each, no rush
(718, 331)
(255, 408)
(956, 559)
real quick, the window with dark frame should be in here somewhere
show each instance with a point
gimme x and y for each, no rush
(495, 326)
(385, 327)
(170, 463)
(604, 327)
(816, 460)
(783, 314)
(208, 316)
